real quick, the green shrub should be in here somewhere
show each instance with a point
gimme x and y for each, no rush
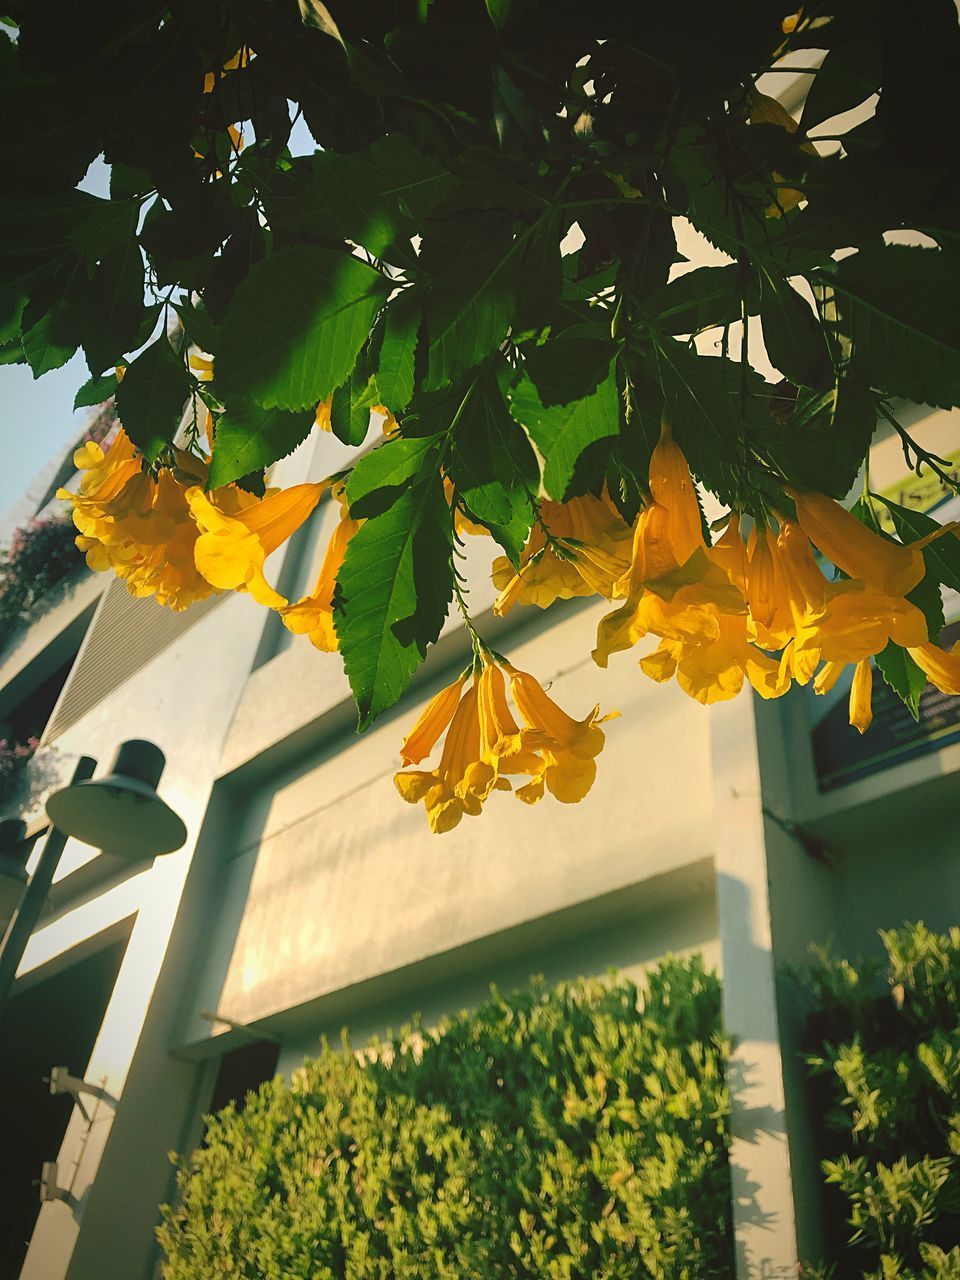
(888, 1066)
(576, 1132)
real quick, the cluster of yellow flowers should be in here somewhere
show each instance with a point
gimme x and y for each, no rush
(484, 745)
(722, 612)
(167, 537)
(757, 607)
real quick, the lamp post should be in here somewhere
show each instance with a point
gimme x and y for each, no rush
(120, 814)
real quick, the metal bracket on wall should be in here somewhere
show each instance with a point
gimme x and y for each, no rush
(50, 1189)
(61, 1081)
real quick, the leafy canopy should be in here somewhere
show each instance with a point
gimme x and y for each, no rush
(484, 241)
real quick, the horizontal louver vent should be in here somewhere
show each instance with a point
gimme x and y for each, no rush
(125, 635)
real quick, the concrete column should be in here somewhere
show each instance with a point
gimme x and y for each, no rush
(763, 1208)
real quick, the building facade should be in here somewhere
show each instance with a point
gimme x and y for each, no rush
(309, 897)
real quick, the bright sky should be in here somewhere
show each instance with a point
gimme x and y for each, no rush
(36, 415)
(38, 421)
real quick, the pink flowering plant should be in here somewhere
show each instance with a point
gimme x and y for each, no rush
(14, 757)
(40, 555)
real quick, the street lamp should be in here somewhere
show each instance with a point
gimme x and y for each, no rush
(14, 851)
(121, 814)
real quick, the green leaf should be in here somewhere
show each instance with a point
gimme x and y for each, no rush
(350, 410)
(470, 305)
(571, 365)
(96, 391)
(249, 438)
(898, 310)
(393, 592)
(369, 196)
(113, 308)
(12, 304)
(151, 397)
(494, 468)
(50, 326)
(295, 326)
(824, 443)
(540, 277)
(942, 557)
(181, 242)
(703, 413)
(12, 353)
(850, 73)
(198, 326)
(395, 368)
(380, 476)
(563, 430)
(792, 335)
(699, 299)
(903, 676)
(647, 270)
(926, 596)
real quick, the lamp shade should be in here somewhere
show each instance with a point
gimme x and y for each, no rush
(13, 871)
(121, 813)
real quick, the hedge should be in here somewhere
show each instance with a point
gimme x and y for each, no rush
(886, 1075)
(580, 1131)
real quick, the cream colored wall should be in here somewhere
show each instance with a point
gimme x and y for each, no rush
(335, 880)
(686, 925)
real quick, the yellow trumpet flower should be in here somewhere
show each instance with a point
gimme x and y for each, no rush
(138, 526)
(861, 696)
(861, 691)
(313, 615)
(569, 765)
(715, 671)
(432, 722)
(461, 781)
(579, 548)
(941, 668)
(891, 567)
(322, 420)
(503, 744)
(233, 545)
(677, 587)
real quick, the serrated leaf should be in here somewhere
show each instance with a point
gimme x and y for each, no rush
(562, 431)
(792, 335)
(50, 326)
(12, 353)
(95, 391)
(198, 326)
(350, 411)
(494, 468)
(897, 307)
(295, 326)
(926, 596)
(903, 676)
(380, 476)
(470, 305)
(826, 440)
(699, 299)
(941, 557)
(151, 397)
(249, 438)
(703, 413)
(113, 308)
(572, 364)
(395, 367)
(541, 275)
(850, 73)
(393, 592)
